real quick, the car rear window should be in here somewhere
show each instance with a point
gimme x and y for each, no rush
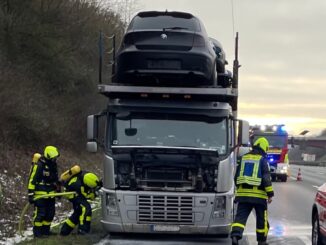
(164, 21)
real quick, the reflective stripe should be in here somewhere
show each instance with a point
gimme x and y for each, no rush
(70, 223)
(237, 225)
(266, 223)
(31, 186)
(286, 158)
(249, 180)
(46, 222)
(71, 196)
(269, 188)
(82, 216)
(265, 230)
(35, 213)
(91, 196)
(88, 218)
(251, 195)
(253, 157)
(254, 192)
(73, 180)
(40, 193)
(82, 190)
(246, 177)
(43, 192)
(38, 224)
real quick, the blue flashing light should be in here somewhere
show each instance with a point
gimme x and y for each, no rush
(283, 128)
(271, 159)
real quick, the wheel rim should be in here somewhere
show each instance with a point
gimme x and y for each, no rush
(315, 233)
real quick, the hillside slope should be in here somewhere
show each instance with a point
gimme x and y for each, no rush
(48, 77)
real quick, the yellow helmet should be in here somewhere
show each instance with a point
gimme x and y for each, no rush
(262, 143)
(91, 180)
(51, 152)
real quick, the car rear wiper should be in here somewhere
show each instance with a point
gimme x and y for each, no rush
(175, 28)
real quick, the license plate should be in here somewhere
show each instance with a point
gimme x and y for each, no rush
(166, 228)
(164, 64)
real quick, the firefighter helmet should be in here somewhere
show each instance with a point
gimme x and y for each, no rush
(51, 152)
(262, 143)
(91, 180)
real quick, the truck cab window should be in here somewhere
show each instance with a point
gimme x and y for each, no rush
(171, 130)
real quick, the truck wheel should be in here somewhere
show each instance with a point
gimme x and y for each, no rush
(273, 178)
(284, 178)
(315, 234)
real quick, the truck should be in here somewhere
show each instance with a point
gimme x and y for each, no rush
(169, 157)
(277, 153)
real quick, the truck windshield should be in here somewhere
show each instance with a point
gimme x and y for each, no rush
(275, 141)
(150, 129)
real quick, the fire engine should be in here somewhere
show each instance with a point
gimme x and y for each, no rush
(277, 154)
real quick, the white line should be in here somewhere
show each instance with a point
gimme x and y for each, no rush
(293, 178)
(315, 186)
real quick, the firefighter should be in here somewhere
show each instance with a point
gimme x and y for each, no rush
(86, 185)
(254, 191)
(43, 179)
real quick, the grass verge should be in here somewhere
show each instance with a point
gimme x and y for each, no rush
(97, 233)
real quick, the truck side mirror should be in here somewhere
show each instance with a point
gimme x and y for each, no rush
(243, 136)
(92, 128)
(92, 132)
(91, 146)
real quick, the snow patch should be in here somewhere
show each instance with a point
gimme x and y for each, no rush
(27, 235)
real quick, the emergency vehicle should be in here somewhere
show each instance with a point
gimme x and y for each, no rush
(277, 154)
(318, 235)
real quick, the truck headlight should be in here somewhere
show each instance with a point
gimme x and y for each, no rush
(284, 169)
(219, 207)
(112, 204)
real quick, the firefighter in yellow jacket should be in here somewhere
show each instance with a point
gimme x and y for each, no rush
(254, 191)
(43, 179)
(85, 184)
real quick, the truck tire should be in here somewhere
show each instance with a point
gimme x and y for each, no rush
(273, 178)
(284, 178)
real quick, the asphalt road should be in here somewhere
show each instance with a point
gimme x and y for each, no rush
(289, 216)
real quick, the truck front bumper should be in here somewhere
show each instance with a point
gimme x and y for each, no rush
(281, 170)
(129, 213)
(182, 229)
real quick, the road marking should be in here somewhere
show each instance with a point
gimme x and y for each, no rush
(315, 186)
(293, 178)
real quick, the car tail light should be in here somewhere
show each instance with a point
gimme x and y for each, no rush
(199, 41)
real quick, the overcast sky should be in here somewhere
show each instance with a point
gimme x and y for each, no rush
(282, 53)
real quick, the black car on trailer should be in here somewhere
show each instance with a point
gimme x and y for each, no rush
(166, 47)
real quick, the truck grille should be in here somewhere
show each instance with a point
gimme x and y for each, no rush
(165, 209)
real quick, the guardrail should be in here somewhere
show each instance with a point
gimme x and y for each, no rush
(316, 163)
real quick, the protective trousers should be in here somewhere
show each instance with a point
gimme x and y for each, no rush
(44, 210)
(243, 212)
(81, 216)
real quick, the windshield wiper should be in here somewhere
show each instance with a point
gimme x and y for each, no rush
(175, 28)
